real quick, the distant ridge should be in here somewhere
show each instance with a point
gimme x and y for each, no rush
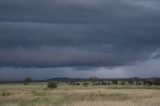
(66, 79)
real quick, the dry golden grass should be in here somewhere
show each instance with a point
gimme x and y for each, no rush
(38, 95)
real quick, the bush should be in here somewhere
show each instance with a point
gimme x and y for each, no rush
(5, 93)
(103, 83)
(27, 80)
(77, 84)
(109, 83)
(96, 83)
(123, 83)
(85, 83)
(52, 85)
(115, 82)
(71, 83)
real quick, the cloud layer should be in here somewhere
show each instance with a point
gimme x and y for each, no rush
(56, 45)
(79, 11)
(78, 33)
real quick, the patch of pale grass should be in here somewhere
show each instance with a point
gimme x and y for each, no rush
(147, 102)
(36, 95)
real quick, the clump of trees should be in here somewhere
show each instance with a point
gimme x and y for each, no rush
(85, 83)
(103, 83)
(152, 82)
(113, 82)
(52, 85)
(94, 80)
(74, 83)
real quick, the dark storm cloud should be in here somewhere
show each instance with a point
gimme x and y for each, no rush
(79, 11)
(102, 35)
(146, 69)
(31, 45)
(67, 57)
(60, 33)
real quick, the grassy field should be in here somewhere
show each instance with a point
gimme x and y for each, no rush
(65, 95)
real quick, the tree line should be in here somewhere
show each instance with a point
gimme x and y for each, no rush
(127, 81)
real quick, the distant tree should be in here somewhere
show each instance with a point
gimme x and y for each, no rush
(123, 83)
(130, 81)
(85, 83)
(93, 79)
(103, 83)
(52, 85)
(71, 83)
(150, 83)
(108, 83)
(115, 82)
(77, 83)
(136, 80)
(27, 80)
(156, 81)
(96, 83)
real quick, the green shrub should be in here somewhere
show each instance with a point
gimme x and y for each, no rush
(123, 82)
(52, 85)
(27, 80)
(103, 83)
(85, 83)
(77, 83)
(5, 93)
(96, 83)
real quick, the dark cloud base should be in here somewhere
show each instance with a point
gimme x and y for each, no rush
(78, 33)
(43, 45)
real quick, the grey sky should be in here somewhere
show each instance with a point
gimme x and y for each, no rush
(59, 38)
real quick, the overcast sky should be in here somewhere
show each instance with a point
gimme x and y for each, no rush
(79, 38)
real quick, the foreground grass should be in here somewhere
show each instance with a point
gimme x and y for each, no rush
(38, 95)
